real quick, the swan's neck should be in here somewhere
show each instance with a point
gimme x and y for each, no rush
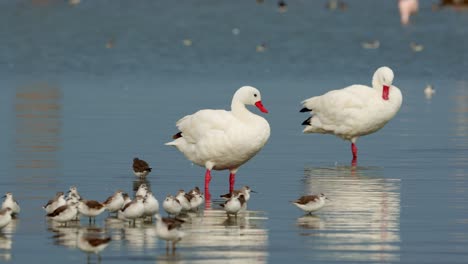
(239, 110)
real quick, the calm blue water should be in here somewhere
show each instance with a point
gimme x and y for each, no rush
(73, 112)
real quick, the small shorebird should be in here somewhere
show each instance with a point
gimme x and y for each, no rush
(65, 213)
(172, 205)
(127, 199)
(55, 203)
(375, 44)
(234, 204)
(168, 229)
(92, 243)
(151, 205)
(114, 202)
(245, 191)
(310, 203)
(11, 203)
(142, 190)
(90, 208)
(184, 199)
(429, 91)
(73, 192)
(197, 198)
(133, 210)
(416, 47)
(141, 168)
(5, 217)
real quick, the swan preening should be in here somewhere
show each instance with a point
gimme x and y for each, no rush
(354, 111)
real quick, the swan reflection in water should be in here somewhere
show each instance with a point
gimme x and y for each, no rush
(362, 220)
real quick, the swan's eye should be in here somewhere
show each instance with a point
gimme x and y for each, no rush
(255, 95)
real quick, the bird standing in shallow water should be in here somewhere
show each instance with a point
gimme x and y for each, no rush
(224, 140)
(11, 203)
(354, 111)
(310, 203)
(141, 168)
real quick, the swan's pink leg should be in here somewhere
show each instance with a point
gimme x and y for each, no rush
(232, 181)
(207, 185)
(354, 150)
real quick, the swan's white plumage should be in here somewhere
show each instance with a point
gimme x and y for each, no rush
(356, 110)
(219, 139)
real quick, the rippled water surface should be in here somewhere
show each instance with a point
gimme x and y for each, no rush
(87, 88)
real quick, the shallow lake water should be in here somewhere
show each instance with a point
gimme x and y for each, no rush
(87, 88)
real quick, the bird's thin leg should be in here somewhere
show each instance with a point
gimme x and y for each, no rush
(232, 181)
(207, 185)
(354, 151)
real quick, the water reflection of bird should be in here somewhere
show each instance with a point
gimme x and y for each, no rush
(364, 215)
(224, 140)
(169, 229)
(354, 111)
(309, 221)
(91, 241)
(407, 8)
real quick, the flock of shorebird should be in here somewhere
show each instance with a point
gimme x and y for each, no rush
(225, 140)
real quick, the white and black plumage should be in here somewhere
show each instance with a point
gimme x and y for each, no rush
(310, 203)
(65, 213)
(115, 202)
(10, 202)
(133, 210)
(55, 203)
(5, 217)
(73, 192)
(184, 199)
(234, 204)
(354, 111)
(90, 208)
(245, 191)
(142, 190)
(151, 205)
(224, 140)
(172, 205)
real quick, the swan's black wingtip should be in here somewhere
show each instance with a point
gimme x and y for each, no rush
(306, 122)
(305, 109)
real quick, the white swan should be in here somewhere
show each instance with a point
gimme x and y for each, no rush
(354, 111)
(224, 140)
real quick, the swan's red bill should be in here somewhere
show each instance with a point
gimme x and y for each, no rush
(386, 90)
(260, 106)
